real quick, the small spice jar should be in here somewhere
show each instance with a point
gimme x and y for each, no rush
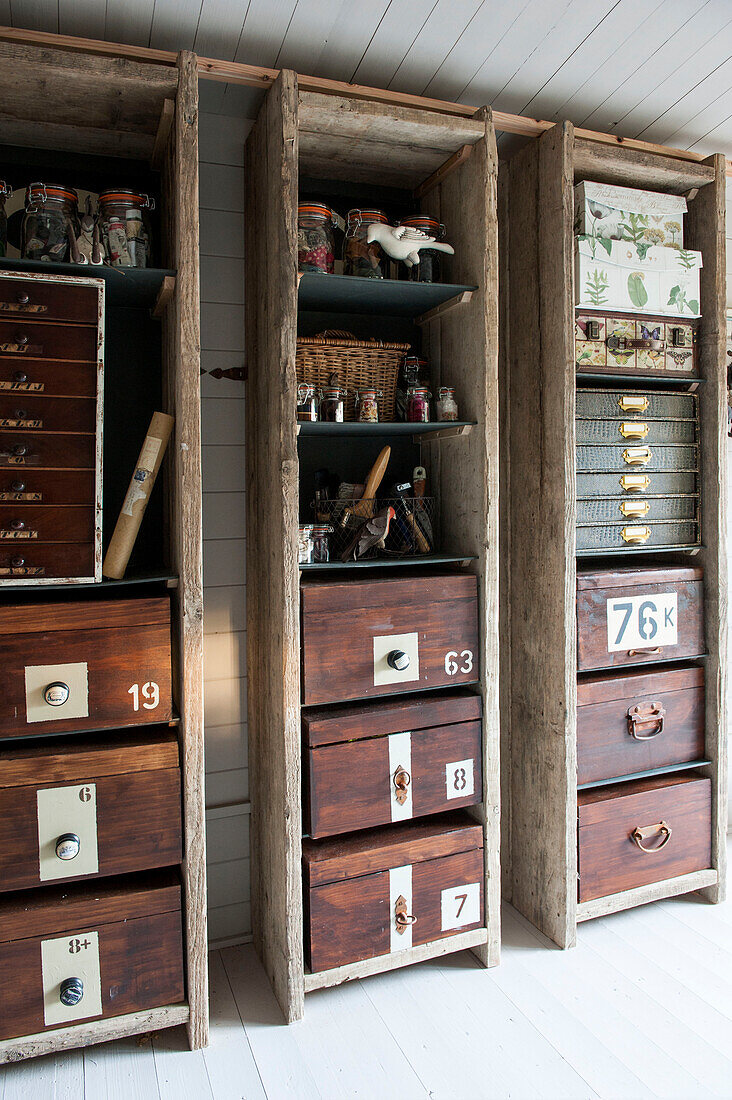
(429, 268)
(315, 239)
(305, 544)
(125, 228)
(359, 257)
(5, 193)
(446, 404)
(331, 405)
(307, 402)
(418, 405)
(368, 406)
(321, 549)
(50, 212)
(413, 371)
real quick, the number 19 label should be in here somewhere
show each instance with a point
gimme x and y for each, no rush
(642, 622)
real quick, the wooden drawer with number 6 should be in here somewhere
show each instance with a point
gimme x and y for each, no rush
(94, 664)
(378, 637)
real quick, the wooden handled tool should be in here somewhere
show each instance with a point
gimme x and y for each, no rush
(365, 507)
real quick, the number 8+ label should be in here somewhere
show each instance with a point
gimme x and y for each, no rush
(642, 622)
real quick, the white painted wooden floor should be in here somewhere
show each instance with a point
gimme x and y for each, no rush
(641, 1008)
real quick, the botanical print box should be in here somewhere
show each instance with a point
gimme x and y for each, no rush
(626, 214)
(612, 342)
(619, 275)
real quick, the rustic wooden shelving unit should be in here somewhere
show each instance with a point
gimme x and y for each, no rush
(539, 697)
(328, 137)
(111, 110)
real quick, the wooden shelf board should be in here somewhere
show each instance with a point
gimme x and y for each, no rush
(125, 286)
(435, 430)
(667, 770)
(92, 1031)
(633, 382)
(51, 586)
(324, 979)
(641, 895)
(390, 563)
(625, 550)
(353, 294)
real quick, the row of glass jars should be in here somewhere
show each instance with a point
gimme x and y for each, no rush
(316, 224)
(312, 546)
(52, 219)
(328, 406)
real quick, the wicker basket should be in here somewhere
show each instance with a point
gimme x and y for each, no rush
(357, 364)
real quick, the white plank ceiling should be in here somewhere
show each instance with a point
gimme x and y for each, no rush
(653, 69)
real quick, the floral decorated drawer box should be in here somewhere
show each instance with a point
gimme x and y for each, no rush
(625, 214)
(619, 275)
(616, 343)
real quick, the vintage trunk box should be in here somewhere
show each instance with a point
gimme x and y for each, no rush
(51, 415)
(83, 807)
(629, 214)
(620, 275)
(378, 637)
(648, 347)
(390, 889)
(84, 665)
(86, 952)
(638, 721)
(386, 762)
(632, 834)
(633, 616)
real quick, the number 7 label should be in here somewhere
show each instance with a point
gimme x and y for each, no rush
(642, 622)
(460, 906)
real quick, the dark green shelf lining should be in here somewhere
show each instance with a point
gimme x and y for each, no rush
(125, 286)
(384, 427)
(167, 579)
(389, 563)
(354, 294)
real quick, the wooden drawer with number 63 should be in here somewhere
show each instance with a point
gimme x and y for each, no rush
(84, 665)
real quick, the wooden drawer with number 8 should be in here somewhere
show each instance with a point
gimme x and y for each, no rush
(95, 664)
(377, 637)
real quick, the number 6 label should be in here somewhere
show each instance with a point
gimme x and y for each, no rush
(642, 622)
(458, 662)
(460, 905)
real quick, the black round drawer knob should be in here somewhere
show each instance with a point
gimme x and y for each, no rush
(17, 563)
(17, 487)
(398, 660)
(20, 450)
(20, 376)
(21, 338)
(20, 414)
(16, 525)
(56, 693)
(67, 846)
(23, 299)
(71, 992)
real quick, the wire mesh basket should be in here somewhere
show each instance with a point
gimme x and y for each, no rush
(360, 528)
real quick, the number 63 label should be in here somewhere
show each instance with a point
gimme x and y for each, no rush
(642, 622)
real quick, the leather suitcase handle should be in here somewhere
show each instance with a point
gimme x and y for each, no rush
(644, 652)
(646, 714)
(625, 343)
(643, 832)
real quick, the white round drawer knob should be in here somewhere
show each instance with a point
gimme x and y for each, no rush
(56, 693)
(398, 659)
(71, 992)
(67, 846)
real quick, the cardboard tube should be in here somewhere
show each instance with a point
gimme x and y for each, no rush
(138, 494)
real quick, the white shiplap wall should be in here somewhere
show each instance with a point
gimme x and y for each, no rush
(222, 409)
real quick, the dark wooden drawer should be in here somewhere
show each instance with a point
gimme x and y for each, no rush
(21, 562)
(635, 457)
(36, 376)
(638, 721)
(668, 345)
(45, 523)
(390, 889)
(632, 834)
(28, 412)
(352, 630)
(119, 798)
(63, 452)
(120, 938)
(45, 300)
(389, 762)
(635, 483)
(32, 487)
(637, 534)
(633, 616)
(20, 338)
(113, 655)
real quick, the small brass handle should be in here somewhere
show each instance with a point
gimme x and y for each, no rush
(637, 456)
(402, 918)
(635, 483)
(641, 833)
(635, 508)
(630, 429)
(644, 652)
(634, 535)
(630, 402)
(402, 779)
(646, 714)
